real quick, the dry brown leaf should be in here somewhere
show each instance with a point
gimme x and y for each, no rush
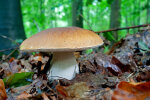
(3, 95)
(62, 90)
(11, 59)
(44, 96)
(37, 57)
(14, 67)
(120, 65)
(24, 95)
(132, 91)
(76, 90)
(77, 55)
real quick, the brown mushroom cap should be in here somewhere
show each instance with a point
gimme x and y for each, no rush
(62, 39)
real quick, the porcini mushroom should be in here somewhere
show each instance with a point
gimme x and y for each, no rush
(62, 42)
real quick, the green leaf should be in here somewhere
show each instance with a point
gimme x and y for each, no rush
(88, 51)
(89, 2)
(109, 36)
(18, 79)
(109, 1)
(99, 0)
(106, 49)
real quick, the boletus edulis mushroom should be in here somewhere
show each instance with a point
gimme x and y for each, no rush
(62, 42)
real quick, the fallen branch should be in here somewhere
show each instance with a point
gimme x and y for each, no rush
(3, 36)
(131, 27)
(8, 55)
(3, 50)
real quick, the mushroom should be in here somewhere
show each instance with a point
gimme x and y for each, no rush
(62, 42)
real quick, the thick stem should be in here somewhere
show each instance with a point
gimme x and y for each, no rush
(63, 65)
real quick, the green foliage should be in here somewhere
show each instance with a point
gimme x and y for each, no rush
(88, 51)
(18, 79)
(109, 1)
(42, 14)
(109, 36)
(89, 2)
(106, 49)
(33, 53)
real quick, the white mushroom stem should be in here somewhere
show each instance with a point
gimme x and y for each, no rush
(63, 65)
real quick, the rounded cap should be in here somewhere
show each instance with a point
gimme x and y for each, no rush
(62, 39)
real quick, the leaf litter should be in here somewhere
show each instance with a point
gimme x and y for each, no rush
(120, 74)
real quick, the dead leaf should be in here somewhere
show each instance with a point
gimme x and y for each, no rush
(6, 68)
(44, 96)
(3, 95)
(143, 76)
(87, 66)
(24, 95)
(76, 90)
(106, 62)
(62, 90)
(77, 55)
(12, 59)
(132, 91)
(26, 64)
(120, 65)
(14, 66)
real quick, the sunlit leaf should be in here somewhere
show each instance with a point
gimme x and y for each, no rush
(18, 79)
(132, 91)
(3, 94)
(88, 51)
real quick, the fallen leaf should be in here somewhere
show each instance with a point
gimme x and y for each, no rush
(26, 64)
(120, 65)
(76, 90)
(62, 90)
(44, 96)
(143, 76)
(14, 67)
(132, 91)
(6, 69)
(77, 55)
(106, 62)
(3, 95)
(87, 66)
(12, 59)
(18, 79)
(23, 96)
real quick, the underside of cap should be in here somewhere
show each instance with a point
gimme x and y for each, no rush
(62, 39)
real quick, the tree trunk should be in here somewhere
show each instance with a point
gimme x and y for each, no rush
(11, 24)
(115, 16)
(77, 11)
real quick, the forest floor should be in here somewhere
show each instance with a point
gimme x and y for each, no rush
(121, 74)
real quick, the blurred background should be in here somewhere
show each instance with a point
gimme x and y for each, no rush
(20, 19)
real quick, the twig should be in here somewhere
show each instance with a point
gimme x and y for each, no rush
(1, 70)
(86, 22)
(116, 29)
(3, 36)
(11, 53)
(8, 55)
(36, 24)
(9, 49)
(112, 49)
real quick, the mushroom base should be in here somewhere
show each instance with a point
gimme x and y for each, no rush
(63, 65)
